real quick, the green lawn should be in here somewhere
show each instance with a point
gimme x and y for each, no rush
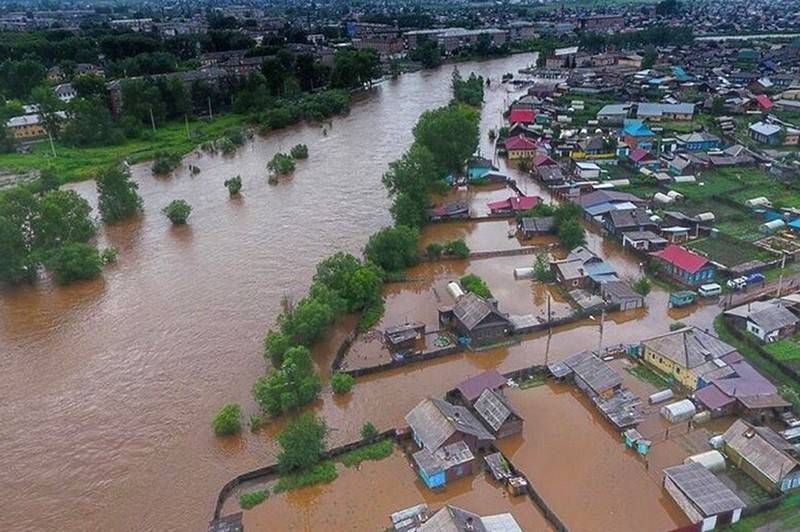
(727, 252)
(646, 374)
(77, 164)
(785, 350)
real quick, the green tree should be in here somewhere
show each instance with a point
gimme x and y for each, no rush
(434, 250)
(90, 124)
(19, 209)
(457, 248)
(275, 346)
(89, 85)
(393, 248)
(428, 53)
(178, 211)
(74, 262)
(63, 217)
(299, 151)
(302, 443)
(642, 286)
(541, 269)
(281, 164)
(289, 387)
(118, 196)
(18, 78)
(469, 91)
(308, 321)
(450, 133)
(352, 68)
(572, 234)
(228, 420)
(342, 382)
(50, 109)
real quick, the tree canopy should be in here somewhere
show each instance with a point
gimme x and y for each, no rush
(302, 443)
(450, 133)
(118, 196)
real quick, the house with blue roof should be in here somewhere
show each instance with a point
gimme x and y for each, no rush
(794, 225)
(636, 134)
(680, 74)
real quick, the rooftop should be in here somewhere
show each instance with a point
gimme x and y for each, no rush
(703, 489)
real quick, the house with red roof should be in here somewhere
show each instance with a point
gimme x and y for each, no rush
(684, 266)
(513, 205)
(520, 147)
(763, 101)
(522, 116)
(642, 158)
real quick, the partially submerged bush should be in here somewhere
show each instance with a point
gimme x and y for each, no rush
(228, 420)
(234, 185)
(178, 211)
(342, 382)
(299, 151)
(281, 164)
(252, 499)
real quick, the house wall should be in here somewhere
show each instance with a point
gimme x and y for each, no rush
(459, 471)
(436, 480)
(703, 276)
(791, 481)
(509, 428)
(520, 154)
(685, 504)
(684, 376)
(751, 471)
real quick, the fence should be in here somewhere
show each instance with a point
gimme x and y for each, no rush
(271, 470)
(407, 361)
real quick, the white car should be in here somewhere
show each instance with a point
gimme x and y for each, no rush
(738, 283)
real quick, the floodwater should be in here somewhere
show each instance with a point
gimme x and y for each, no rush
(107, 387)
(364, 497)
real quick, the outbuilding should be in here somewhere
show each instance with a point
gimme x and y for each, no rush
(702, 496)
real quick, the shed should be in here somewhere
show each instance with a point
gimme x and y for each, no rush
(660, 397)
(660, 197)
(702, 496)
(523, 273)
(711, 460)
(679, 411)
(760, 201)
(772, 226)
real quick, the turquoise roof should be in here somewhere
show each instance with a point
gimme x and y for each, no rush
(635, 128)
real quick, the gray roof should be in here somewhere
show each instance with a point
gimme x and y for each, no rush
(703, 489)
(773, 318)
(689, 347)
(594, 372)
(615, 291)
(644, 235)
(472, 309)
(762, 448)
(435, 420)
(543, 224)
(697, 136)
(658, 109)
(630, 217)
(443, 459)
(614, 109)
(764, 128)
(228, 523)
(454, 519)
(492, 409)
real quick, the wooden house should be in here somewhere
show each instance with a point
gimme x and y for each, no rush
(764, 455)
(703, 497)
(683, 266)
(494, 410)
(475, 318)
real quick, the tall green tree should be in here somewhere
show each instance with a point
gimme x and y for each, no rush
(63, 217)
(450, 133)
(302, 443)
(90, 124)
(393, 248)
(118, 195)
(50, 109)
(289, 387)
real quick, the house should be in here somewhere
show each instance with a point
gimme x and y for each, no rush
(513, 204)
(735, 387)
(435, 423)
(530, 227)
(551, 175)
(480, 168)
(643, 241)
(613, 113)
(582, 269)
(469, 390)
(766, 320)
(643, 159)
(497, 414)
(763, 102)
(453, 210)
(65, 92)
(703, 497)
(698, 141)
(665, 111)
(620, 293)
(635, 134)
(685, 355)
(765, 133)
(26, 126)
(475, 318)
(522, 116)
(446, 464)
(764, 455)
(520, 147)
(587, 171)
(593, 146)
(454, 519)
(621, 221)
(613, 197)
(684, 266)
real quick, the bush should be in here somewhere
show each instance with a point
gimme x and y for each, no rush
(323, 473)
(368, 431)
(228, 420)
(642, 286)
(572, 234)
(342, 383)
(117, 195)
(376, 451)
(457, 248)
(165, 163)
(541, 269)
(371, 315)
(109, 255)
(234, 185)
(281, 164)
(256, 422)
(178, 211)
(675, 325)
(225, 146)
(75, 261)
(476, 285)
(252, 499)
(236, 135)
(300, 151)
(434, 250)
(393, 248)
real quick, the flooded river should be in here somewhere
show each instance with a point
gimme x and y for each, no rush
(107, 388)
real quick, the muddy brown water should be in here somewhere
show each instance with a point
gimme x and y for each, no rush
(107, 388)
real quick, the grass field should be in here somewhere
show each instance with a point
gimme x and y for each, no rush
(729, 253)
(78, 164)
(646, 374)
(784, 517)
(785, 350)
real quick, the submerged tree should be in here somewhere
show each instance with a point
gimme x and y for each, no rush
(118, 196)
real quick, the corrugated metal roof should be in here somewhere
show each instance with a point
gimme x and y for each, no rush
(703, 489)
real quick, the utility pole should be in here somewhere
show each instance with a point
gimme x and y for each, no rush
(210, 112)
(186, 120)
(52, 145)
(602, 323)
(780, 279)
(152, 119)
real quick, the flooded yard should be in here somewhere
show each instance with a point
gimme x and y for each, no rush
(364, 497)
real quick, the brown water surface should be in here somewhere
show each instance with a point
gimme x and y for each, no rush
(107, 388)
